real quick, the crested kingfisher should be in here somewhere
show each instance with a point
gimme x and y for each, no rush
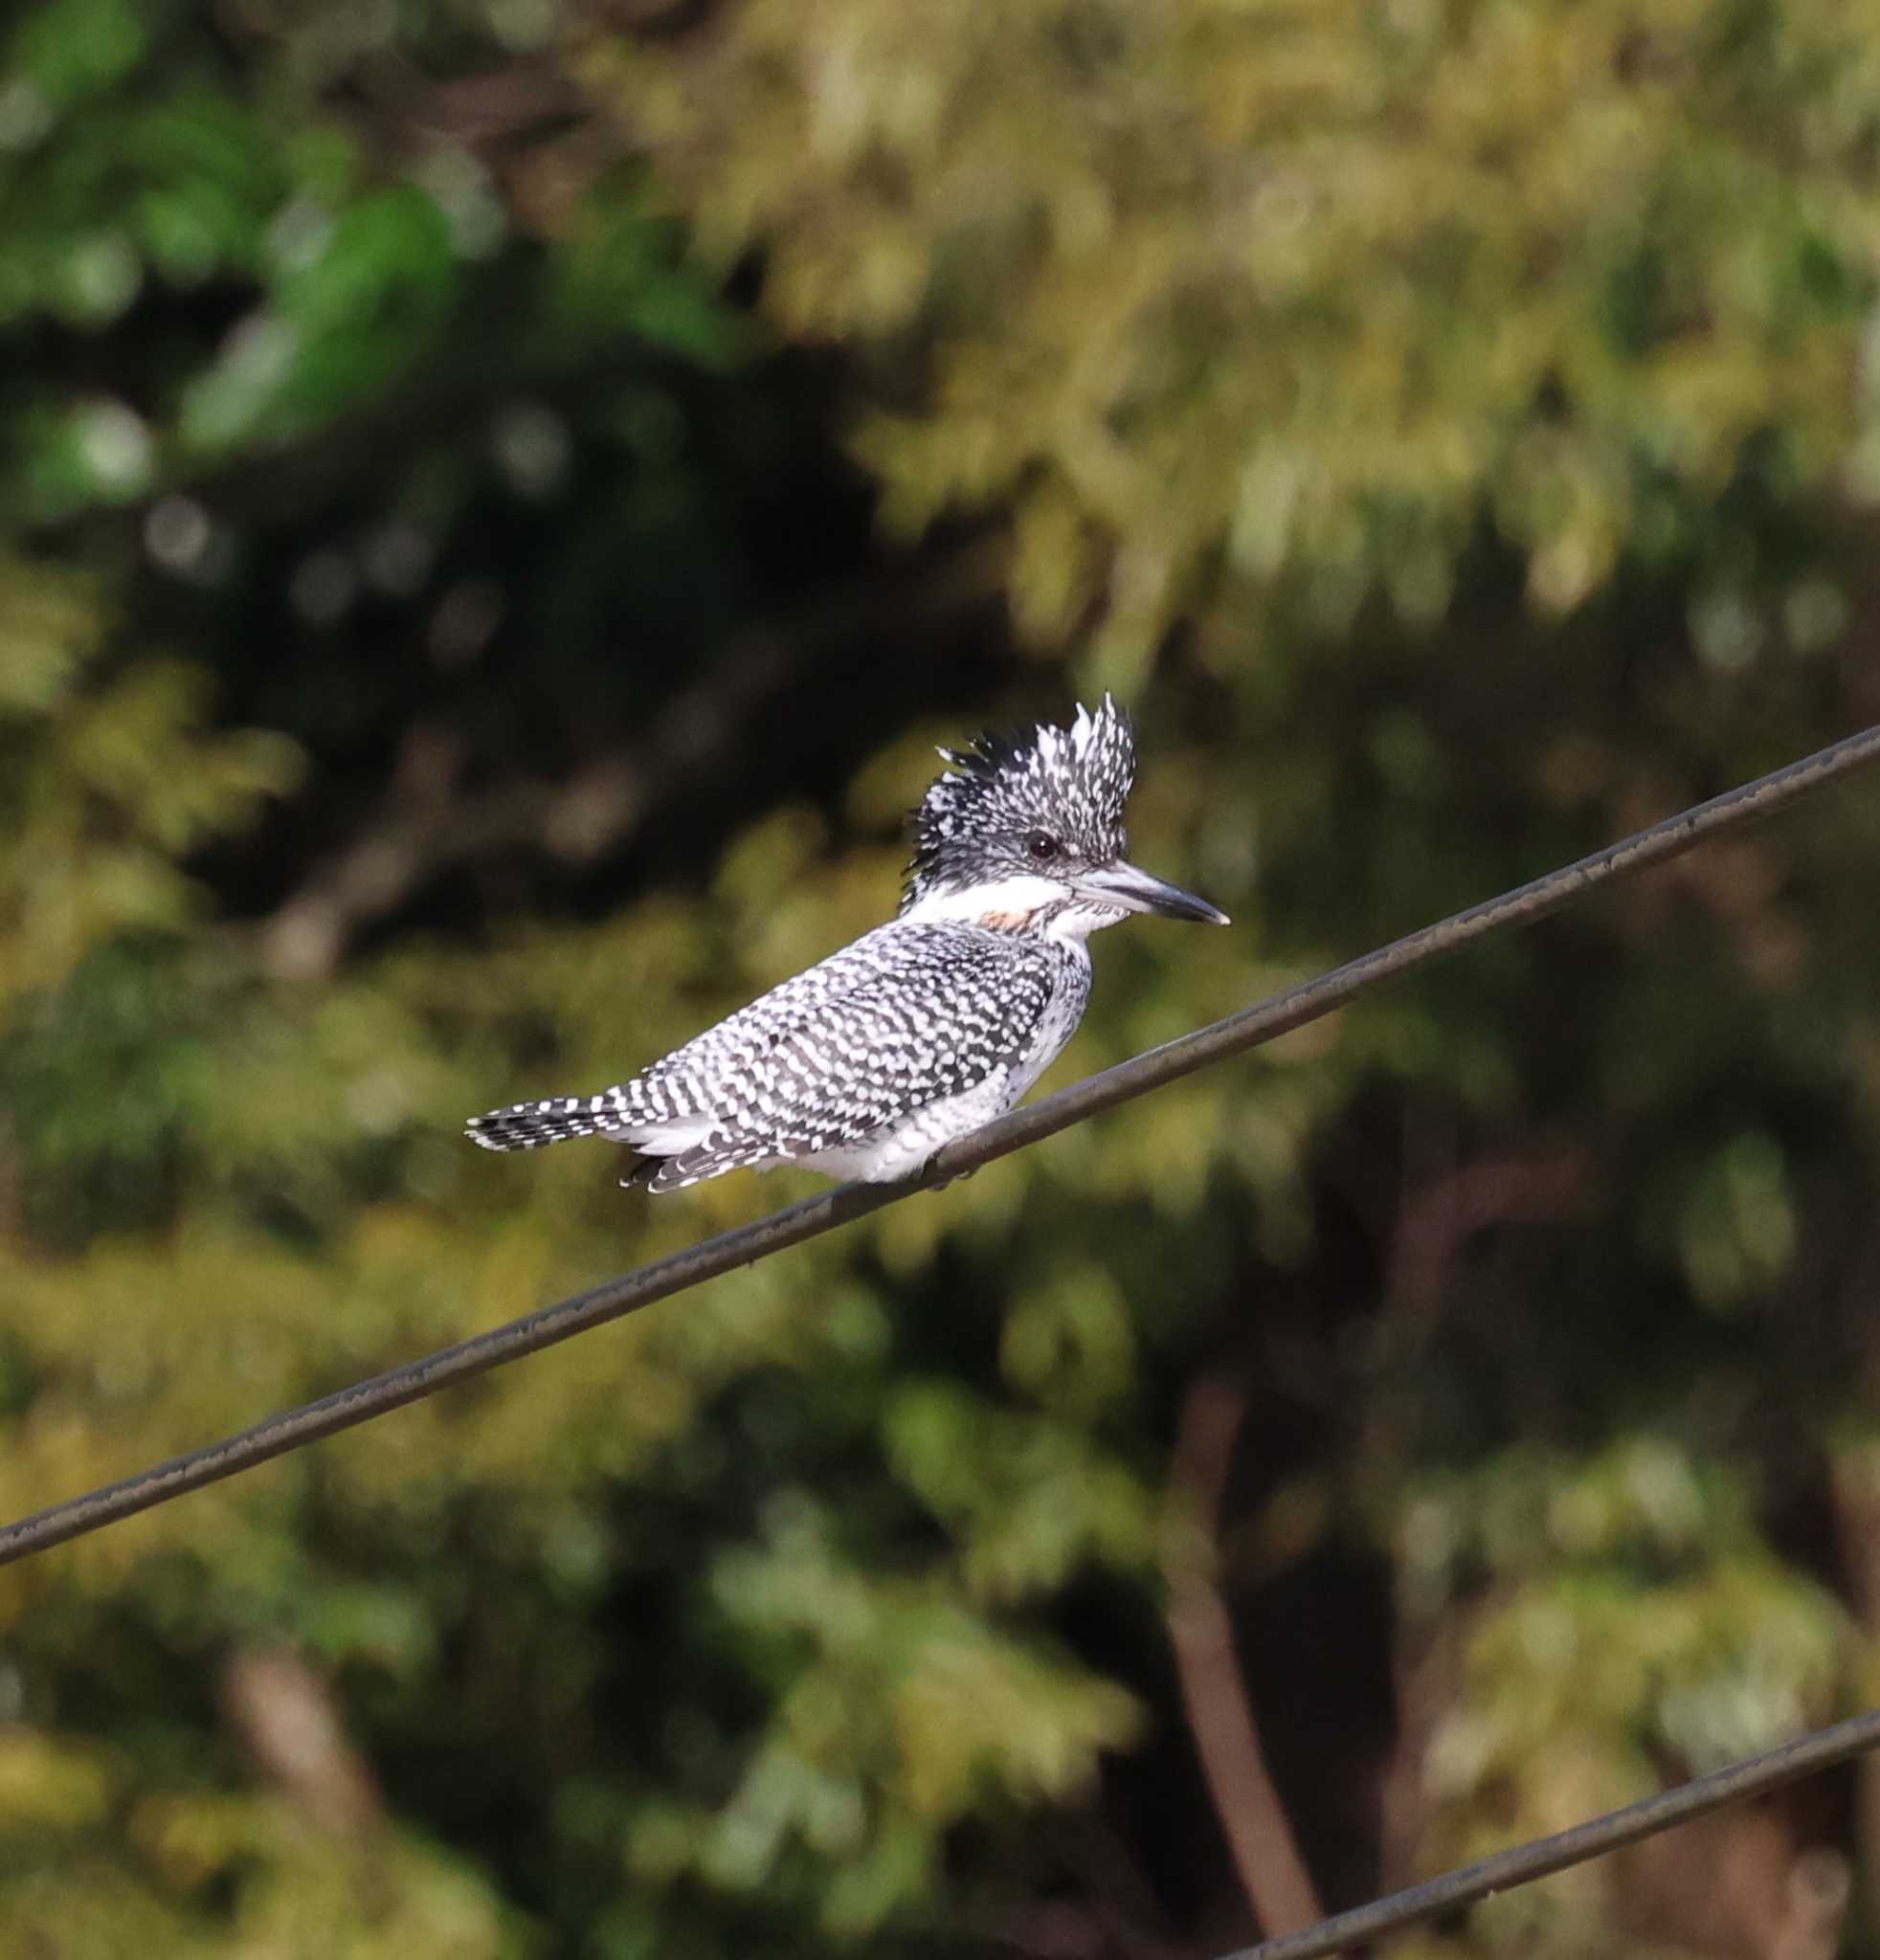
(926, 1028)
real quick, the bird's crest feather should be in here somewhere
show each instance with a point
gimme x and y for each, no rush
(1071, 782)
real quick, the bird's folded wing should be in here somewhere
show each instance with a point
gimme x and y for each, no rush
(905, 1017)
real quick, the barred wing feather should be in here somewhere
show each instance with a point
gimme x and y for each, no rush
(907, 1015)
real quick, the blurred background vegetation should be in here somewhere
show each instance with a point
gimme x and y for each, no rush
(499, 498)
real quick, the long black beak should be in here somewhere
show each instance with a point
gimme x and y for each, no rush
(1136, 891)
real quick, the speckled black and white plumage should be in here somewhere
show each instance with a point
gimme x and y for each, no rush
(908, 1019)
(923, 1029)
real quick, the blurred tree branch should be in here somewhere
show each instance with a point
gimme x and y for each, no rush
(286, 1718)
(427, 822)
(1537, 1185)
(1221, 1715)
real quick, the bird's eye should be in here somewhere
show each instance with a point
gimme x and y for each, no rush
(1043, 846)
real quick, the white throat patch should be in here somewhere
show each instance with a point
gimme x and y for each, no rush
(1006, 903)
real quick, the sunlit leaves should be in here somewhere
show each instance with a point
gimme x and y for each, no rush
(1300, 294)
(1653, 1628)
(113, 779)
(907, 1705)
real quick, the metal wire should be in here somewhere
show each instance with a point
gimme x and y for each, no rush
(1522, 1863)
(1263, 1021)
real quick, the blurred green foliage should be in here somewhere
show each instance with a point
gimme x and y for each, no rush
(444, 656)
(1240, 306)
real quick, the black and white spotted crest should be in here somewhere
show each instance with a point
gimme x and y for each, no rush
(983, 820)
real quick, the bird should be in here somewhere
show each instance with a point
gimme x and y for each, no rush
(923, 1029)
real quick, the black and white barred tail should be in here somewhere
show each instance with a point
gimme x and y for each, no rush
(528, 1126)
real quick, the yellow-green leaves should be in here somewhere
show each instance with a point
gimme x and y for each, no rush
(1232, 303)
(111, 780)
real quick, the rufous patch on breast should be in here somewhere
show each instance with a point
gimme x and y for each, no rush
(1003, 921)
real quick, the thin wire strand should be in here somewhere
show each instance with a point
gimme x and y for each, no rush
(1522, 1863)
(1263, 1021)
